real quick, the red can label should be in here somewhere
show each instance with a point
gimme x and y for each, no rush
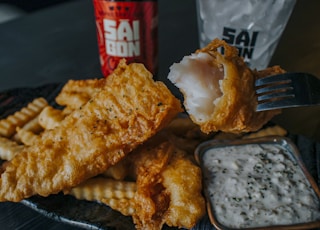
(127, 30)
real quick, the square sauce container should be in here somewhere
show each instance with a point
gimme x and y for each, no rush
(258, 183)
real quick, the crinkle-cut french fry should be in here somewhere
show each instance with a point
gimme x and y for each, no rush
(75, 100)
(76, 93)
(269, 131)
(118, 195)
(32, 126)
(26, 137)
(38, 104)
(9, 148)
(118, 171)
(49, 118)
(124, 205)
(20, 118)
(96, 189)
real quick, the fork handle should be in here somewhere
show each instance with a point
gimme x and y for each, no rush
(314, 84)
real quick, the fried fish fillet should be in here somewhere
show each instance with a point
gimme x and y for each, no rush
(182, 180)
(127, 111)
(218, 89)
(168, 186)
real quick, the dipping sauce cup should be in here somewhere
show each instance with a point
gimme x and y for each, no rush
(258, 183)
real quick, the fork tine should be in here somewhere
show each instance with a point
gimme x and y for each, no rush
(278, 104)
(273, 88)
(276, 96)
(287, 90)
(271, 79)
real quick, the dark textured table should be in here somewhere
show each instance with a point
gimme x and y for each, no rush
(59, 43)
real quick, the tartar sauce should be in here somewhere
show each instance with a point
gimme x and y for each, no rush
(258, 185)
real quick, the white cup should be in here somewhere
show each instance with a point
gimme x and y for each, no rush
(253, 26)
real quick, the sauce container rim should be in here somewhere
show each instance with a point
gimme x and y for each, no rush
(277, 140)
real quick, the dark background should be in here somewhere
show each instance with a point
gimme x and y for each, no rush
(32, 5)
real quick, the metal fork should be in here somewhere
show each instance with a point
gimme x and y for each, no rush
(287, 90)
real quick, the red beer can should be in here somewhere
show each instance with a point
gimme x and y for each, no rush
(127, 29)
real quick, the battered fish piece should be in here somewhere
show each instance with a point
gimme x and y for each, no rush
(219, 90)
(182, 180)
(129, 109)
(168, 186)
